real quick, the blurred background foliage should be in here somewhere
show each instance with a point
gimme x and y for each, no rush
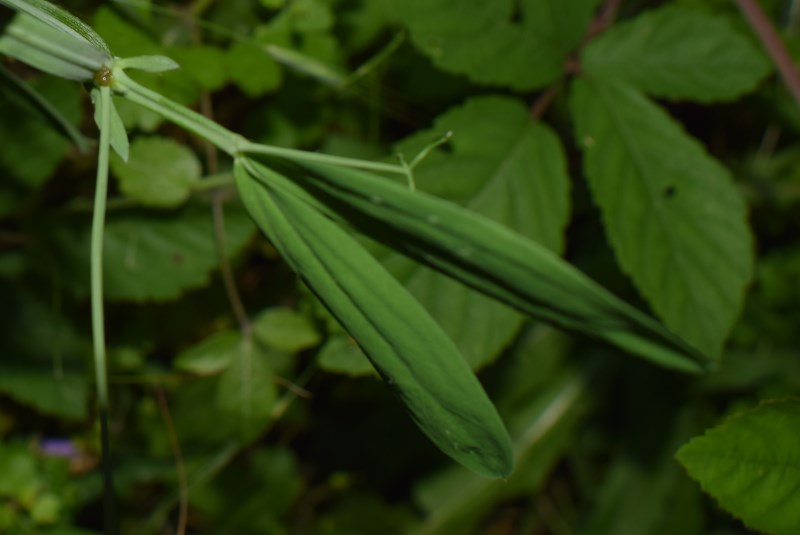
(298, 435)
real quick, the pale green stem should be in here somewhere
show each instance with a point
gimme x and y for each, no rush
(98, 320)
(227, 141)
(294, 154)
(98, 223)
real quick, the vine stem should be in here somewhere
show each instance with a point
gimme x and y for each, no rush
(773, 45)
(229, 142)
(98, 314)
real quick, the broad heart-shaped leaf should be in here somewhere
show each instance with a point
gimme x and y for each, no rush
(677, 53)
(487, 256)
(160, 172)
(502, 165)
(751, 465)
(405, 345)
(675, 219)
(522, 44)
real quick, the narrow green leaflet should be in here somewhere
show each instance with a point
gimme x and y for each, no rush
(500, 164)
(751, 465)
(678, 53)
(61, 20)
(674, 217)
(117, 132)
(533, 37)
(50, 50)
(160, 172)
(489, 257)
(405, 345)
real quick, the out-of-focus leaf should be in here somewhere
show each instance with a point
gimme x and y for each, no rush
(210, 356)
(341, 354)
(285, 330)
(751, 465)
(500, 164)
(206, 64)
(62, 394)
(522, 44)
(676, 222)
(30, 148)
(253, 494)
(160, 172)
(677, 53)
(155, 257)
(246, 391)
(252, 69)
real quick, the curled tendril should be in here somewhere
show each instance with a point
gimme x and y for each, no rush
(103, 76)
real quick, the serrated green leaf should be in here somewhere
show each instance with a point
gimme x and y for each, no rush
(210, 356)
(677, 53)
(533, 37)
(487, 256)
(160, 172)
(404, 344)
(751, 465)
(675, 220)
(285, 330)
(501, 164)
(252, 69)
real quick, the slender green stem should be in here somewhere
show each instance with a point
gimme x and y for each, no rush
(301, 155)
(98, 326)
(224, 139)
(220, 136)
(98, 223)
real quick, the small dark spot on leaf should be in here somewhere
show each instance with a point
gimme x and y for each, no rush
(177, 258)
(669, 191)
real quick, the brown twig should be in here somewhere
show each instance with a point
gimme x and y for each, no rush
(774, 46)
(605, 17)
(172, 436)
